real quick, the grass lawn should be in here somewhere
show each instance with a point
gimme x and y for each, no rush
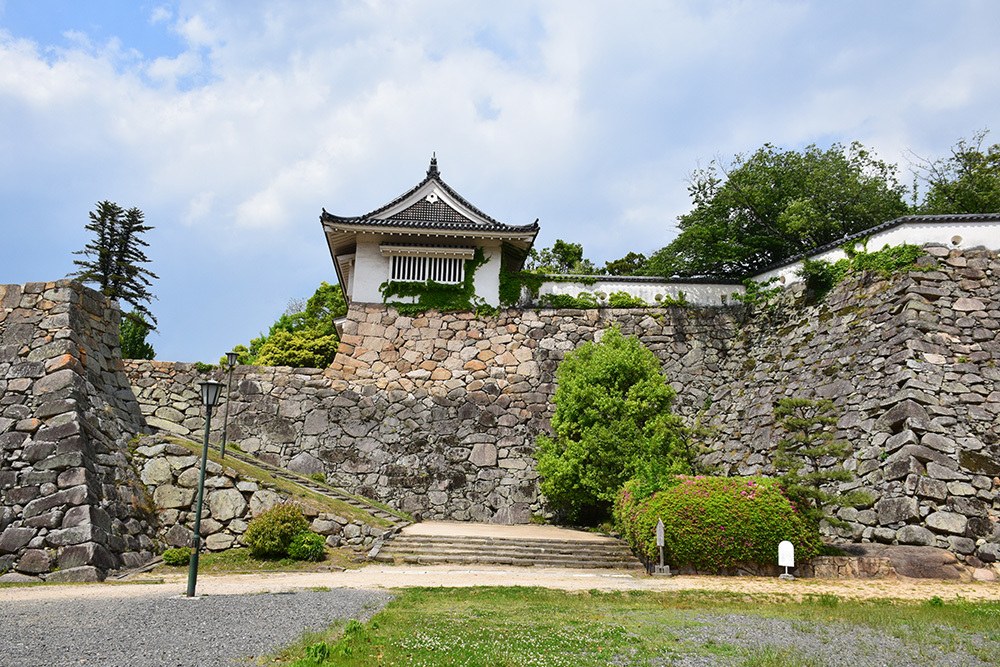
(239, 561)
(532, 626)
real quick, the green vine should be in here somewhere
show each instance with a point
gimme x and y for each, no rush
(582, 301)
(512, 282)
(821, 276)
(758, 293)
(433, 295)
(585, 300)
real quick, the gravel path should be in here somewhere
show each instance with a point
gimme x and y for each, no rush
(168, 630)
(827, 644)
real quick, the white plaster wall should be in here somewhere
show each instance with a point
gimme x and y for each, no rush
(701, 294)
(962, 235)
(371, 269)
(487, 278)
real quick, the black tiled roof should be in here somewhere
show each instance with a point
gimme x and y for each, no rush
(429, 215)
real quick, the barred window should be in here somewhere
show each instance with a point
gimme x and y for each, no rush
(448, 270)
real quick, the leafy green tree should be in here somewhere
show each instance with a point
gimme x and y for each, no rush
(968, 181)
(774, 204)
(809, 440)
(132, 337)
(612, 419)
(631, 264)
(306, 339)
(562, 258)
(300, 349)
(115, 256)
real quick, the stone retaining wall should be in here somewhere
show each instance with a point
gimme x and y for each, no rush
(171, 473)
(438, 414)
(71, 500)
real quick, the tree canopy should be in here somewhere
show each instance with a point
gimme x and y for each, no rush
(115, 256)
(304, 338)
(967, 181)
(631, 264)
(132, 337)
(773, 204)
(563, 258)
(612, 419)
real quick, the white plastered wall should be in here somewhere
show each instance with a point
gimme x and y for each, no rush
(962, 235)
(487, 278)
(700, 294)
(371, 269)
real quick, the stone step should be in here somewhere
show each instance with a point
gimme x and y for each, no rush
(321, 489)
(538, 546)
(527, 561)
(513, 549)
(520, 552)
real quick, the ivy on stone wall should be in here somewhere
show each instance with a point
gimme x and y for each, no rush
(512, 283)
(437, 296)
(585, 300)
(821, 276)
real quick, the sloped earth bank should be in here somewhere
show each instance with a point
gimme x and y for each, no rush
(244, 615)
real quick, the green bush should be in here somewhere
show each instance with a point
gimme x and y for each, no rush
(626, 300)
(612, 416)
(307, 545)
(177, 556)
(270, 534)
(581, 301)
(711, 523)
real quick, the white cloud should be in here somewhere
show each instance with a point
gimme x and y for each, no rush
(587, 116)
(161, 14)
(169, 71)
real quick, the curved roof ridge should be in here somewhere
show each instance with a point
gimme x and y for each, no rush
(433, 175)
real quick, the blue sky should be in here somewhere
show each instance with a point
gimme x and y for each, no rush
(232, 123)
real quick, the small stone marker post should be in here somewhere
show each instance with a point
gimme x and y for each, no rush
(661, 569)
(786, 559)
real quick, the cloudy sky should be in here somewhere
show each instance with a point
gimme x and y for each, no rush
(232, 123)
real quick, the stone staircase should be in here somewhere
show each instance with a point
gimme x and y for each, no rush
(322, 489)
(404, 548)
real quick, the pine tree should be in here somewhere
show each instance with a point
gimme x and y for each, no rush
(115, 256)
(132, 337)
(801, 455)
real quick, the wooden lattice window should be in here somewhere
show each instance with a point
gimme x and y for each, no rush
(447, 270)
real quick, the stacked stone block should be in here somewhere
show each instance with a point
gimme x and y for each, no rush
(912, 366)
(72, 506)
(171, 474)
(439, 414)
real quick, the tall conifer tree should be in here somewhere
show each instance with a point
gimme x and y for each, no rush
(115, 256)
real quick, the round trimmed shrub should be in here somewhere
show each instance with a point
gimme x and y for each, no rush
(177, 556)
(307, 545)
(713, 523)
(270, 534)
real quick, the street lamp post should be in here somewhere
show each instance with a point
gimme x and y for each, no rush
(231, 361)
(210, 392)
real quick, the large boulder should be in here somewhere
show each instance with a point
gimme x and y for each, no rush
(914, 562)
(226, 504)
(306, 464)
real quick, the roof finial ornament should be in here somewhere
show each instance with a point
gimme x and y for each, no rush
(432, 171)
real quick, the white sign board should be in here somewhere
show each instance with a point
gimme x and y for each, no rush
(786, 554)
(659, 533)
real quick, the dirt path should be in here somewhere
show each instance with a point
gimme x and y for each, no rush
(389, 577)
